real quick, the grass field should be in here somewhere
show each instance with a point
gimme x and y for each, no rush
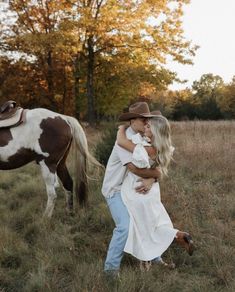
(67, 253)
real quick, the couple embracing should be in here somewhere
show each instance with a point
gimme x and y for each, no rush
(140, 157)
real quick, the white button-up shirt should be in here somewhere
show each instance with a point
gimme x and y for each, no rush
(116, 167)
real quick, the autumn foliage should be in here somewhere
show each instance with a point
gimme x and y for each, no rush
(91, 58)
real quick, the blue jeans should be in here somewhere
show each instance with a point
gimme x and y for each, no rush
(120, 233)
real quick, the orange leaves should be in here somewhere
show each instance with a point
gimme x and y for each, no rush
(125, 41)
(146, 89)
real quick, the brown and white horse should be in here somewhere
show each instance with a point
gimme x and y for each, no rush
(46, 137)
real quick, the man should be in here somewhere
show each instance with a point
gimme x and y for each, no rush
(119, 161)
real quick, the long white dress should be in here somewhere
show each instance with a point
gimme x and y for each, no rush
(150, 231)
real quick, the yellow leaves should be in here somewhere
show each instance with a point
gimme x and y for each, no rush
(58, 98)
(146, 89)
(128, 39)
(123, 25)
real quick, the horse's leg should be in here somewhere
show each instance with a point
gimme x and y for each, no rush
(67, 182)
(57, 184)
(49, 177)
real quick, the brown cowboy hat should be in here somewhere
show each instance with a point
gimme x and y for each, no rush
(156, 113)
(137, 110)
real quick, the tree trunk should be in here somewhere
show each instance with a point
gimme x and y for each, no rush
(50, 82)
(90, 79)
(64, 89)
(77, 76)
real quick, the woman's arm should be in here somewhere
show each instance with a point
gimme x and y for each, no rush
(145, 172)
(129, 145)
(123, 141)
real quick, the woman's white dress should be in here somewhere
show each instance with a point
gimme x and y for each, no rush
(150, 231)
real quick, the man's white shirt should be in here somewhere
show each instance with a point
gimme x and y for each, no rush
(116, 167)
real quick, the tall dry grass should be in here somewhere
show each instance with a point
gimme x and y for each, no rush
(67, 253)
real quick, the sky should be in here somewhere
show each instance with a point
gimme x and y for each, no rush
(211, 25)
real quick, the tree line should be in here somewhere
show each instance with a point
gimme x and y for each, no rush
(92, 58)
(209, 98)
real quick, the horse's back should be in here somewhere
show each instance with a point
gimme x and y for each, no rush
(44, 117)
(41, 113)
(43, 129)
(51, 124)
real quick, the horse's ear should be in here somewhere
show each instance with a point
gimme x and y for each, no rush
(7, 105)
(12, 103)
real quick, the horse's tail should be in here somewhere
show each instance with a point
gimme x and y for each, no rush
(81, 160)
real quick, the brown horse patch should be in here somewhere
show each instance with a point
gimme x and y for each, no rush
(5, 137)
(55, 138)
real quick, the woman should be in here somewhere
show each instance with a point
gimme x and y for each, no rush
(151, 231)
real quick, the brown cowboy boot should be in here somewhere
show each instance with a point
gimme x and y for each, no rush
(186, 242)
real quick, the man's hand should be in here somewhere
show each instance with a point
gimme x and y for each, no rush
(146, 184)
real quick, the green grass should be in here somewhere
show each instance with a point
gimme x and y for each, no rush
(67, 253)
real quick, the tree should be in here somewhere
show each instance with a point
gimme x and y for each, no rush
(71, 43)
(207, 95)
(34, 37)
(184, 108)
(227, 101)
(26, 83)
(123, 28)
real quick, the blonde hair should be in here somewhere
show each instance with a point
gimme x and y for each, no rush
(160, 128)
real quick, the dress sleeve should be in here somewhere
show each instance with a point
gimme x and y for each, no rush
(138, 139)
(140, 157)
(124, 155)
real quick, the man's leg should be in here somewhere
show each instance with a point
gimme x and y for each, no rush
(120, 233)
